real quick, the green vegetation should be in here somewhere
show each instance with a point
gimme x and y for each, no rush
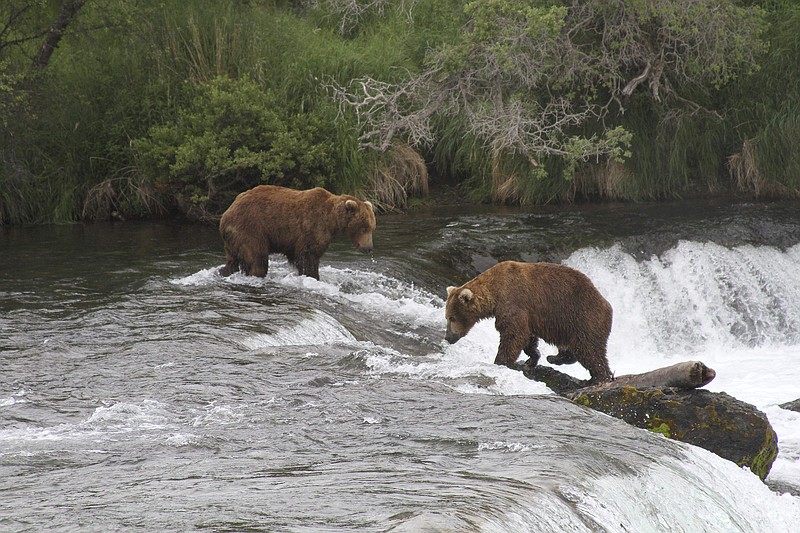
(232, 136)
(112, 108)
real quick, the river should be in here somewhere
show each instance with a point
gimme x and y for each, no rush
(141, 391)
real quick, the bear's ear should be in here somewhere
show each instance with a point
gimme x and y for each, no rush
(351, 205)
(369, 204)
(450, 290)
(466, 296)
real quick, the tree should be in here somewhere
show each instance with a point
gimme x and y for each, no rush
(66, 14)
(544, 79)
(22, 22)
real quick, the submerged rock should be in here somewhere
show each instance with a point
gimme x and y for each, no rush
(717, 422)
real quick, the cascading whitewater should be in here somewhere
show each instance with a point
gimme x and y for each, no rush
(699, 295)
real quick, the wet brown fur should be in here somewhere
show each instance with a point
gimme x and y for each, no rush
(299, 224)
(536, 300)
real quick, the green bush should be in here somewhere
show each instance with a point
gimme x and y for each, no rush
(234, 136)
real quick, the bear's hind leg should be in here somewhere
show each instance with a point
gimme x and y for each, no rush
(563, 357)
(231, 262)
(596, 363)
(308, 264)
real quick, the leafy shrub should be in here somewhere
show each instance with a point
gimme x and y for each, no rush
(233, 136)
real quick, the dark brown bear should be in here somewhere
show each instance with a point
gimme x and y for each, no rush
(299, 224)
(531, 301)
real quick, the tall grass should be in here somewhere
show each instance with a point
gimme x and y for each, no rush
(460, 158)
(674, 154)
(766, 115)
(398, 174)
(768, 165)
(199, 41)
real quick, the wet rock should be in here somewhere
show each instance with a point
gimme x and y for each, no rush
(791, 406)
(717, 422)
(558, 382)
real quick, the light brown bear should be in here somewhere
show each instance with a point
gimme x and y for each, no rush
(269, 219)
(531, 301)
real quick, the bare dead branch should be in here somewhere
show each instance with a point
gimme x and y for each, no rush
(631, 86)
(529, 92)
(351, 13)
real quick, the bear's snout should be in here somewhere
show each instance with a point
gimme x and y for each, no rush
(363, 243)
(451, 337)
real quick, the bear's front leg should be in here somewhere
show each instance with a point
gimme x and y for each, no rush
(311, 267)
(511, 345)
(514, 336)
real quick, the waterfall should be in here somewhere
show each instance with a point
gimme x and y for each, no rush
(699, 295)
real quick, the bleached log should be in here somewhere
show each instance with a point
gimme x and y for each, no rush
(684, 375)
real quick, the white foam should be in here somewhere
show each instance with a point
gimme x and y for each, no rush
(203, 277)
(709, 494)
(366, 290)
(698, 296)
(735, 309)
(16, 398)
(103, 423)
(374, 293)
(514, 447)
(786, 468)
(469, 361)
(180, 440)
(320, 328)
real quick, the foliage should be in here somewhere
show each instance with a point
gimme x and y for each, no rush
(12, 99)
(537, 79)
(765, 113)
(233, 136)
(351, 15)
(522, 101)
(400, 173)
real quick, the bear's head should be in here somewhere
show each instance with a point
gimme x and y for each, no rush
(460, 312)
(360, 224)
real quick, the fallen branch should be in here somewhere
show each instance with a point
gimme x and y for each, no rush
(684, 375)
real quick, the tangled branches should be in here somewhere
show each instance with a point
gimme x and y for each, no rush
(533, 78)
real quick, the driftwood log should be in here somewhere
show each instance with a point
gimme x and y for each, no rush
(684, 375)
(666, 401)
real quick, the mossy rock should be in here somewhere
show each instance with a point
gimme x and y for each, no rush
(717, 422)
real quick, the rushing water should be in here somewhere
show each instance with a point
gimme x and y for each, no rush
(140, 390)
